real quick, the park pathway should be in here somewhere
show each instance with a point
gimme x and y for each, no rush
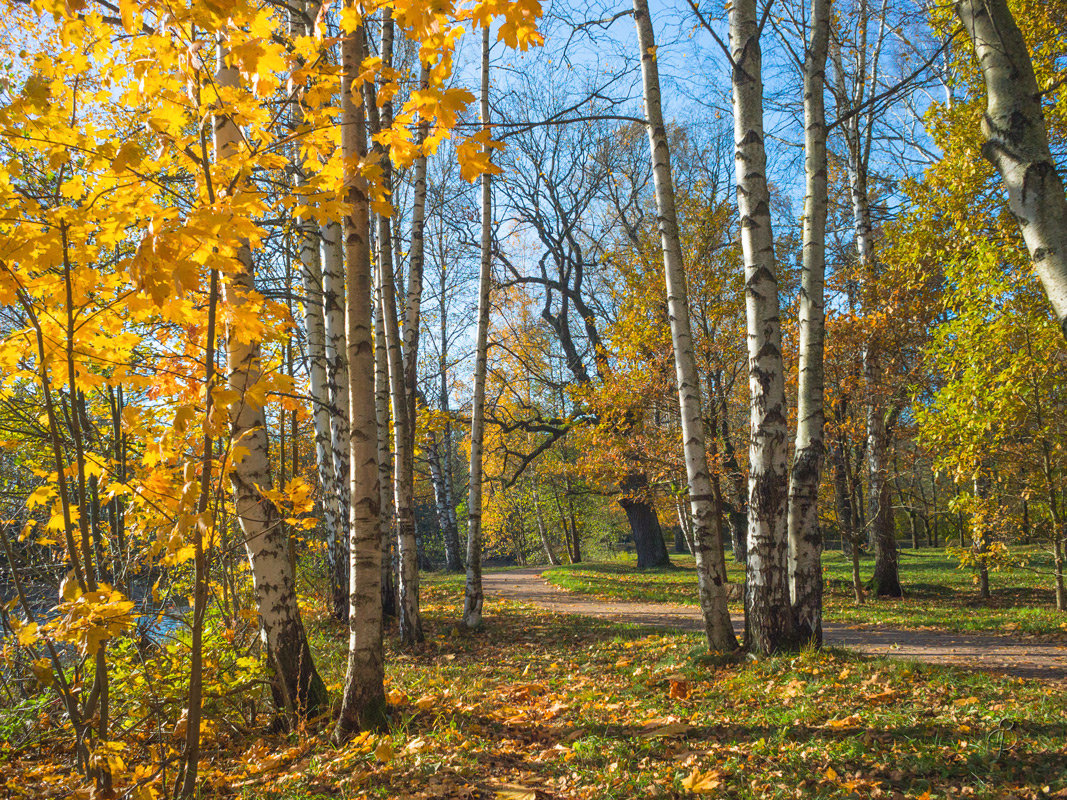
(1005, 655)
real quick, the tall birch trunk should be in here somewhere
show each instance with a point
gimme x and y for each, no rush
(1017, 142)
(363, 703)
(451, 523)
(443, 501)
(768, 612)
(403, 422)
(885, 581)
(858, 141)
(337, 382)
(385, 455)
(707, 520)
(684, 529)
(296, 684)
(323, 411)
(805, 535)
(473, 596)
(413, 301)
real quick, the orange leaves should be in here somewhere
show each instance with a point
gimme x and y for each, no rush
(474, 155)
(703, 782)
(518, 20)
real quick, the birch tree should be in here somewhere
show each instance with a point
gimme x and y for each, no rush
(333, 299)
(363, 703)
(323, 410)
(805, 537)
(1016, 142)
(385, 454)
(768, 613)
(473, 596)
(706, 513)
(297, 685)
(403, 420)
(856, 111)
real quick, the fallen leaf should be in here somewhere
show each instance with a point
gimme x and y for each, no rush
(701, 783)
(847, 722)
(679, 690)
(667, 731)
(513, 791)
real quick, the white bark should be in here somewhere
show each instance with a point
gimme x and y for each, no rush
(403, 422)
(413, 302)
(322, 412)
(1017, 142)
(858, 141)
(385, 455)
(443, 501)
(297, 684)
(337, 384)
(805, 537)
(473, 596)
(769, 616)
(707, 520)
(363, 704)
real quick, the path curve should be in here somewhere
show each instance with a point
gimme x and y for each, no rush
(988, 652)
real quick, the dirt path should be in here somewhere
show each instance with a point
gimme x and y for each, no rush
(990, 652)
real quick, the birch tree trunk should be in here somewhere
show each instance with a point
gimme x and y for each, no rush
(542, 531)
(473, 597)
(296, 684)
(336, 362)
(403, 421)
(322, 412)
(337, 384)
(442, 501)
(450, 524)
(684, 529)
(363, 703)
(1017, 142)
(385, 455)
(413, 302)
(805, 535)
(706, 516)
(768, 613)
(885, 581)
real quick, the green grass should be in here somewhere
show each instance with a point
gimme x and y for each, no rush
(539, 705)
(937, 593)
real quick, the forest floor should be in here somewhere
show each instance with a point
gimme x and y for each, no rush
(998, 653)
(541, 705)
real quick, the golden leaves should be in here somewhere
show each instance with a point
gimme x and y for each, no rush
(88, 619)
(702, 782)
(474, 155)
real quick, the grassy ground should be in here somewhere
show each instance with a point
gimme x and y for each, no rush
(938, 593)
(540, 706)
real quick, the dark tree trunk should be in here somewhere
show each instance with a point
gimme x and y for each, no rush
(576, 553)
(886, 579)
(679, 542)
(644, 524)
(739, 535)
